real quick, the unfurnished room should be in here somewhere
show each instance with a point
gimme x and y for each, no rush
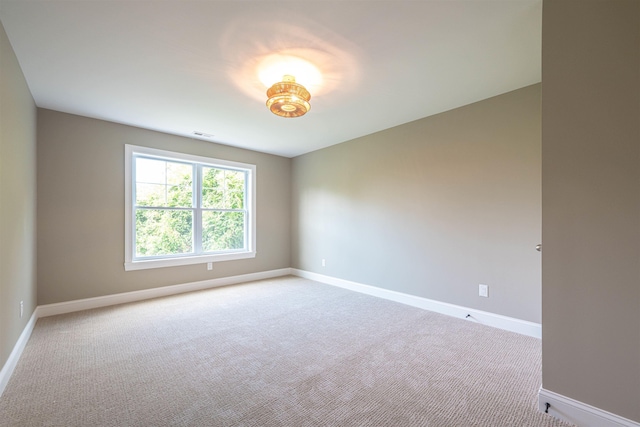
(320, 213)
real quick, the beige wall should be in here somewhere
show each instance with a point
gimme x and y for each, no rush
(431, 208)
(17, 199)
(591, 203)
(81, 209)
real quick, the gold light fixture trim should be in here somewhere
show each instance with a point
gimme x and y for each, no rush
(288, 98)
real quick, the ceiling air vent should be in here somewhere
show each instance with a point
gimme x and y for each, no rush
(202, 134)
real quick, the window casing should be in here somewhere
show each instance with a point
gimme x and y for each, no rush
(183, 209)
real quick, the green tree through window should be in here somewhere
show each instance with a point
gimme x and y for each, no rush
(223, 203)
(164, 202)
(185, 208)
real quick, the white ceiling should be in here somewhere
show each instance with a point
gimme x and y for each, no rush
(182, 66)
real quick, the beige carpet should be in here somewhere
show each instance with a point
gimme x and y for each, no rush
(285, 352)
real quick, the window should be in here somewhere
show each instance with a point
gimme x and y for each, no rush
(183, 209)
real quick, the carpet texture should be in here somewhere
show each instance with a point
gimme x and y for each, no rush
(280, 352)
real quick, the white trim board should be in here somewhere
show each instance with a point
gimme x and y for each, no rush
(490, 319)
(107, 300)
(561, 407)
(579, 413)
(12, 361)
(122, 298)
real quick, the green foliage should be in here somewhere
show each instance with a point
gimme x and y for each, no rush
(163, 232)
(162, 184)
(222, 231)
(222, 189)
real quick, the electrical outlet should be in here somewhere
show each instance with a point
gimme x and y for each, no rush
(483, 290)
(324, 263)
(21, 308)
(209, 266)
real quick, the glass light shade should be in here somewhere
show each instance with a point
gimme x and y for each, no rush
(288, 98)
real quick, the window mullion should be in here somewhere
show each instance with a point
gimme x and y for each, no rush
(197, 212)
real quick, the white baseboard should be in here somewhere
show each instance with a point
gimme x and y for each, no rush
(107, 300)
(579, 413)
(490, 319)
(12, 361)
(88, 303)
(561, 407)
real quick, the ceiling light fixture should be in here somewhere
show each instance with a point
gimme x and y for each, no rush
(288, 98)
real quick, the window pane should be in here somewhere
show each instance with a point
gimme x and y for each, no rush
(222, 231)
(163, 183)
(163, 232)
(149, 170)
(234, 187)
(150, 194)
(222, 189)
(212, 190)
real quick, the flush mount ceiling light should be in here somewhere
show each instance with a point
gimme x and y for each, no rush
(288, 98)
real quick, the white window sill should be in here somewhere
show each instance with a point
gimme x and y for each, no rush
(176, 262)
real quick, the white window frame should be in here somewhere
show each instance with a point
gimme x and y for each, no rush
(133, 263)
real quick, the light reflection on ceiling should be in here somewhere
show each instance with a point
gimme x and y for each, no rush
(319, 59)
